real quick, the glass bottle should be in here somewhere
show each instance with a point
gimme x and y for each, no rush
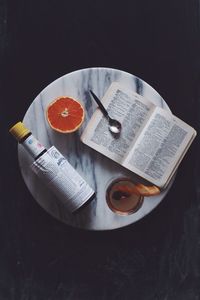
(54, 170)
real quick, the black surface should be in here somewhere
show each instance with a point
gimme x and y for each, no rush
(156, 258)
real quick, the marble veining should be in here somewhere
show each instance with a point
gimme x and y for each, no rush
(97, 170)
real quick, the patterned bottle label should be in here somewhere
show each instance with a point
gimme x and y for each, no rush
(58, 174)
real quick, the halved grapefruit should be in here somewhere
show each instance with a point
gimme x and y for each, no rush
(65, 114)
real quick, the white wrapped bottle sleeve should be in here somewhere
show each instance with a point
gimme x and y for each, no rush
(63, 180)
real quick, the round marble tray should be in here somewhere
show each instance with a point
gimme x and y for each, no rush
(97, 170)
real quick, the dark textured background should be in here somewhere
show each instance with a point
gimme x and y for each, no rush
(159, 256)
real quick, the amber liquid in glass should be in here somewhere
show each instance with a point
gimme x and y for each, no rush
(121, 199)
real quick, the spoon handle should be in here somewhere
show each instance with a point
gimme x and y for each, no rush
(104, 111)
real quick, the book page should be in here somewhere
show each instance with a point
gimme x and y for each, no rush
(160, 147)
(131, 109)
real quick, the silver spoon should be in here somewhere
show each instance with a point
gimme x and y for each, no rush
(114, 125)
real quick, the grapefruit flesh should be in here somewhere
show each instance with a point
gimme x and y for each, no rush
(65, 114)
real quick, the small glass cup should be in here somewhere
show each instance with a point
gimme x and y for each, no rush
(120, 197)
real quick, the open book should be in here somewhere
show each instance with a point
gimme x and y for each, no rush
(152, 142)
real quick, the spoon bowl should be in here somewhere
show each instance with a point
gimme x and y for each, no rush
(114, 125)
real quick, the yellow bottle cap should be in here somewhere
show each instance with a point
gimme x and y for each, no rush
(19, 131)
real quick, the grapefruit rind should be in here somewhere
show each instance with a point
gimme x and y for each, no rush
(145, 190)
(141, 190)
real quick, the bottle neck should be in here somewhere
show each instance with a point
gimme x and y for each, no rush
(33, 146)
